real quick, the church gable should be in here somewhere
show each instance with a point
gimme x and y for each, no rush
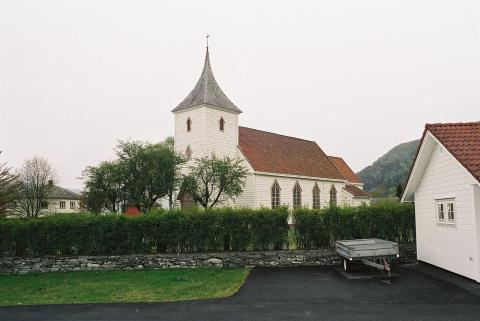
(274, 153)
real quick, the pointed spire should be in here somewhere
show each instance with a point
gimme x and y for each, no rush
(207, 92)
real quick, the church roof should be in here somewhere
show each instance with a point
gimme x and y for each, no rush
(274, 153)
(355, 191)
(346, 171)
(207, 92)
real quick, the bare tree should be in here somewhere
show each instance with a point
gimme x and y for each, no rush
(8, 187)
(36, 177)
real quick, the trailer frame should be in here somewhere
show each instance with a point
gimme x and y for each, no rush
(371, 252)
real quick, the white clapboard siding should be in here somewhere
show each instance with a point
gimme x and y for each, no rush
(452, 247)
(263, 184)
(205, 136)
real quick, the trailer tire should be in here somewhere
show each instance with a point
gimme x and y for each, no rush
(347, 265)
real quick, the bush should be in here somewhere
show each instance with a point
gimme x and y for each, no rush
(201, 231)
(390, 221)
(163, 232)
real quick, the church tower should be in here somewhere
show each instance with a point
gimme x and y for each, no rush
(206, 122)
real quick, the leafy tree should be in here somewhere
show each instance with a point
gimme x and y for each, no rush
(8, 187)
(175, 174)
(212, 180)
(142, 174)
(36, 177)
(103, 187)
(149, 171)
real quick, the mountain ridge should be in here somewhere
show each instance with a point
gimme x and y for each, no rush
(390, 170)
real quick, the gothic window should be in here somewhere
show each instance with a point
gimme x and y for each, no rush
(188, 153)
(316, 197)
(333, 196)
(221, 124)
(189, 125)
(297, 196)
(275, 190)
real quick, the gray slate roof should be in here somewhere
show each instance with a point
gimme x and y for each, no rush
(207, 92)
(57, 192)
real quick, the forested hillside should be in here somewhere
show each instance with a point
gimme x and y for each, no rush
(386, 173)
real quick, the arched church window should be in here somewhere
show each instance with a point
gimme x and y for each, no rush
(316, 197)
(189, 124)
(275, 190)
(297, 196)
(188, 153)
(333, 196)
(222, 124)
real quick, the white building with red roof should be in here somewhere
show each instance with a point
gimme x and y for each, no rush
(282, 170)
(444, 184)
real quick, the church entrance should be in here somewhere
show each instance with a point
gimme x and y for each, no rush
(186, 200)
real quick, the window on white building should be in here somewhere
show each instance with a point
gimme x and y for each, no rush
(275, 190)
(188, 153)
(333, 196)
(316, 197)
(222, 124)
(72, 205)
(445, 211)
(450, 212)
(441, 212)
(297, 196)
(189, 125)
(62, 204)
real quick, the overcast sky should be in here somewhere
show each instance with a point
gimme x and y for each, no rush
(358, 77)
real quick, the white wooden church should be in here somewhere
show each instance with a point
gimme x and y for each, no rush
(282, 170)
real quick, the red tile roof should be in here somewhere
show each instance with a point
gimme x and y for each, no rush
(344, 169)
(462, 140)
(274, 153)
(355, 191)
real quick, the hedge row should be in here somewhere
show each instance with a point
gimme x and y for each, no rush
(167, 232)
(390, 221)
(200, 231)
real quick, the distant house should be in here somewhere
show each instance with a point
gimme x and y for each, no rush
(282, 170)
(62, 200)
(59, 200)
(444, 183)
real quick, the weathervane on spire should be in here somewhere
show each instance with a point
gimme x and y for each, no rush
(208, 36)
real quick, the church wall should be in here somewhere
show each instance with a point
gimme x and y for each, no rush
(194, 138)
(263, 184)
(205, 136)
(221, 142)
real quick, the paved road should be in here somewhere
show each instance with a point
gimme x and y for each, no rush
(291, 294)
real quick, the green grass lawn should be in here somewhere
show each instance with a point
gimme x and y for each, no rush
(120, 286)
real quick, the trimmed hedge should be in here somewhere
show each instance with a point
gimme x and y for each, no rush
(202, 231)
(164, 232)
(319, 228)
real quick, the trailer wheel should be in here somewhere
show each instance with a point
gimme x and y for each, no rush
(347, 265)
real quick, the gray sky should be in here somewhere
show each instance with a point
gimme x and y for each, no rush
(358, 77)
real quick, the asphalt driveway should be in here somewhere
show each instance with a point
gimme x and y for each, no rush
(295, 294)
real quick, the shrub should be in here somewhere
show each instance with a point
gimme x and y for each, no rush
(390, 221)
(161, 232)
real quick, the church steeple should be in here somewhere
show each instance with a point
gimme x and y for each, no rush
(207, 92)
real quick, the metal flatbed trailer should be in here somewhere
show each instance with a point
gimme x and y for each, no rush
(371, 252)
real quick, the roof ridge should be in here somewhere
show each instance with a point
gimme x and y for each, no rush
(452, 124)
(335, 156)
(272, 133)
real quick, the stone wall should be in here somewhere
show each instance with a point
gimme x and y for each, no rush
(319, 257)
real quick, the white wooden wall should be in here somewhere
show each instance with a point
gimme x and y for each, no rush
(454, 247)
(205, 136)
(263, 184)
